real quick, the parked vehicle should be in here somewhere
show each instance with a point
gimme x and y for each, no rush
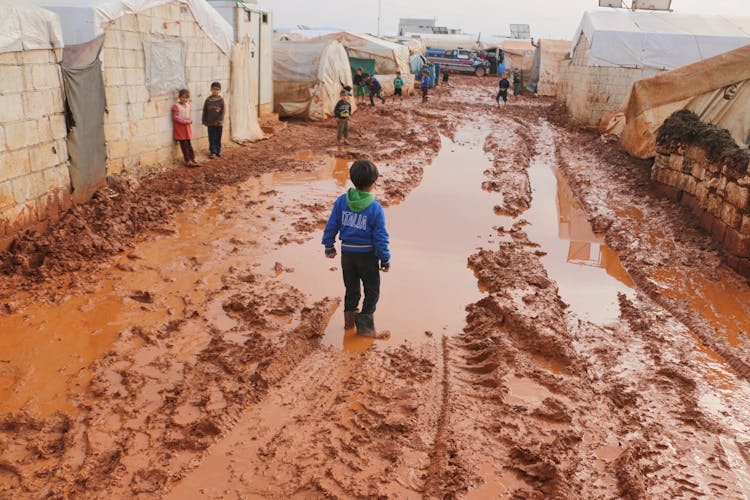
(459, 60)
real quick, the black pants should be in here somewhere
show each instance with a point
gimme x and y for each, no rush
(376, 93)
(214, 139)
(502, 94)
(187, 150)
(364, 267)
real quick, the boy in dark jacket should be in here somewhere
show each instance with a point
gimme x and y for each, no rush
(376, 90)
(213, 118)
(359, 220)
(502, 92)
(343, 111)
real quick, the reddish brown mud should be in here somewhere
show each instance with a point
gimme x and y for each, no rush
(557, 329)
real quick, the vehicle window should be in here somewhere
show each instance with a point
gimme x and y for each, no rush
(463, 55)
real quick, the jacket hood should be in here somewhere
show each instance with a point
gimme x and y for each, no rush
(358, 200)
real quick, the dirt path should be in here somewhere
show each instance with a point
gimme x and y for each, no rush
(220, 373)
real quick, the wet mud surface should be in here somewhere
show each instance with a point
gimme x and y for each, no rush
(559, 330)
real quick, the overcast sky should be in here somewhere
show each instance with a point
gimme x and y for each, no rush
(548, 18)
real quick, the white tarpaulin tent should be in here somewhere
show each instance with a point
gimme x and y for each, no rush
(389, 57)
(716, 89)
(658, 40)
(24, 27)
(308, 76)
(84, 20)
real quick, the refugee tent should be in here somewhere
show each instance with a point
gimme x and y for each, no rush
(34, 175)
(308, 76)
(545, 70)
(614, 48)
(389, 56)
(716, 89)
(519, 54)
(132, 56)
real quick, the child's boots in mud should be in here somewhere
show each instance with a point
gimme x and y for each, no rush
(349, 319)
(365, 324)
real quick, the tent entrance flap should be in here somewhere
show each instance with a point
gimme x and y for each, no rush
(367, 65)
(84, 92)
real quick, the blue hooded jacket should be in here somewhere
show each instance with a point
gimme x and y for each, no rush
(360, 224)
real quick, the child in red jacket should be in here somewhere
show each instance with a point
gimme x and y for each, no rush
(182, 117)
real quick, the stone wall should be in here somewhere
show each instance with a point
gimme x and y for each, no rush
(137, 125)
(34, 176)
(713, 182)
(592, 92)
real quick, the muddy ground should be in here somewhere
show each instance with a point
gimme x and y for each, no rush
(150, 348)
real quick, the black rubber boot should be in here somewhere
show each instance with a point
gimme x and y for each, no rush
(349, 319)
(365, 324)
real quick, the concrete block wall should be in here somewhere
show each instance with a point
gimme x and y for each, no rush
(34, 175)
(592, 92)
(138, 126)
(718, 195)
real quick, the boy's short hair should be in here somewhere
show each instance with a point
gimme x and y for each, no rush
(363, 173)
(343, 93)
(398, 72)
(359, 69)
(216, 85)
(183, 93)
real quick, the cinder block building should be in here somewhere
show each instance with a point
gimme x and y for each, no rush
(614, 48)
(34, 179)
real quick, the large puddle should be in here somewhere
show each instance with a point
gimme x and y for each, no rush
(443, 221)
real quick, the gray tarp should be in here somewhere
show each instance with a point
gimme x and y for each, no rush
(84, 91)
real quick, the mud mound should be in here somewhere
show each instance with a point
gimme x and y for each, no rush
(685, 128)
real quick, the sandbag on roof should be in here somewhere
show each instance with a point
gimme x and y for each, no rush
(389, 57)
(716, 89)
(84, 20)
(26, 27)
(308, 77)
(660, 40)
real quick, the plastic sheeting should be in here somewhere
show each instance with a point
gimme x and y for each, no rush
(389, 57)
(519, 54)
(24, 27)
(545, 72)
(244, 115)
(717, 90)
(660, 40)
(165, 66)
(85, 20)
(308, 77)
(84, 91)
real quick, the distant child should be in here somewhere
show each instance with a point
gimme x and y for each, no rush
(359, 86)
(213, 118)
(398, 85)
(425, 85)
(343, 112)
(516, 82)
(359, 220)
(376, 90)
(446, 74)
(182, 113)
(502, 92)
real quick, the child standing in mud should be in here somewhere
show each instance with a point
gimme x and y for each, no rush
(213, 119)
(358, 218)
(359, 86)
(182, 118)
(425, 85)
(343, 111)
(398, 86)
(376, 90)
(502, 92)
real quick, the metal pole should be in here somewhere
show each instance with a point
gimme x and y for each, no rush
(379, 2)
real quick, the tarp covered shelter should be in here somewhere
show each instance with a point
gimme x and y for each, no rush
(660, 40)
(28, 28)
(85, 20)
(545, 71)
(716, 89)
(519, 54)
(308, 76)
(389, 56)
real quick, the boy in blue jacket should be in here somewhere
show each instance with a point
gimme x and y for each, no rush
(359, 220)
